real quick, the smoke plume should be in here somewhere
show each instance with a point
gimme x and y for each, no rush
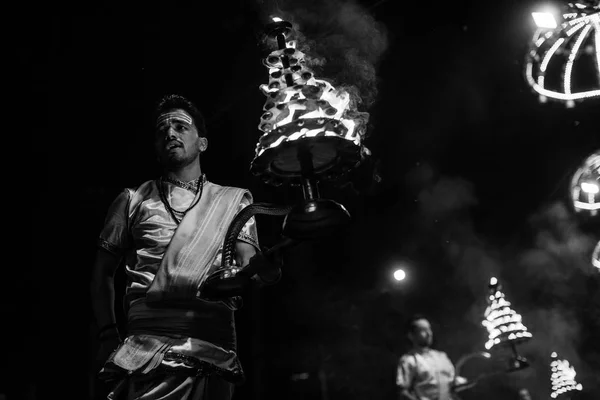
(548, 277)
(342, 42)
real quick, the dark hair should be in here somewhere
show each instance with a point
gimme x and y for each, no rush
(176, 101)
(410, 323)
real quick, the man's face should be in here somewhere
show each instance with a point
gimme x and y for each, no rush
(177, 142)
(421, 335)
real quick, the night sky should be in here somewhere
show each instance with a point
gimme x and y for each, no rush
(468, 179)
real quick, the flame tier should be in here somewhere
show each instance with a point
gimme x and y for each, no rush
(309, 127)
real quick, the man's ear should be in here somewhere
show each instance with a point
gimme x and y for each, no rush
(202, 144)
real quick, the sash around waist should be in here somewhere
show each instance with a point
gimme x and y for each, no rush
(206, 320)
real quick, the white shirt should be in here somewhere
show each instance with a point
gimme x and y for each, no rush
(427, 373)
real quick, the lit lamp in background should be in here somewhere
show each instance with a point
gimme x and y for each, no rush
(562, 377)
(563, 62)
(504, 326)
(585, 187)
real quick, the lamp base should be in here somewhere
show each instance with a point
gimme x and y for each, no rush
(323, 157)
(315, 219)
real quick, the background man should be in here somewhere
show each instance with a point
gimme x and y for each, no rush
(425, 373)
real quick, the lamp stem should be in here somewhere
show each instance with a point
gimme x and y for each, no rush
(309, 186)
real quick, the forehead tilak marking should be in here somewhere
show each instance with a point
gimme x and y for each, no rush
(174, 115)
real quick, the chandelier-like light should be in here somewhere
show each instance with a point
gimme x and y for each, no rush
(585, 186)
(560, 48)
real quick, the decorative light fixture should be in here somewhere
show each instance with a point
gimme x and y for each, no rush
(585, 186)
(504, 325)
(558, 47)
(562, 377)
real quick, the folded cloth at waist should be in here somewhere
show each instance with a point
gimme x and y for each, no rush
(141, 354)
(209, 321)
(198, 341)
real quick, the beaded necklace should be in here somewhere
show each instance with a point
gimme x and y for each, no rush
(191, 185)
(196, 186)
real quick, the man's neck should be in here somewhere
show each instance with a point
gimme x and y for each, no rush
(421, 349)
(185, 174)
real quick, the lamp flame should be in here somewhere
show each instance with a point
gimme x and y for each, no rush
(307, 123)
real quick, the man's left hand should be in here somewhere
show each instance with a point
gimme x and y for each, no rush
(217, 288)
(266, 267)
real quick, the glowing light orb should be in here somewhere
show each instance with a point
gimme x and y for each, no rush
(585, 186)
(399, 274)
(564, 60)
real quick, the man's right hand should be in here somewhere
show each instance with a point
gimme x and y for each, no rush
(217, 288)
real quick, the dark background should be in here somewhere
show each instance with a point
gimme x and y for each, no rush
(474, 178)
